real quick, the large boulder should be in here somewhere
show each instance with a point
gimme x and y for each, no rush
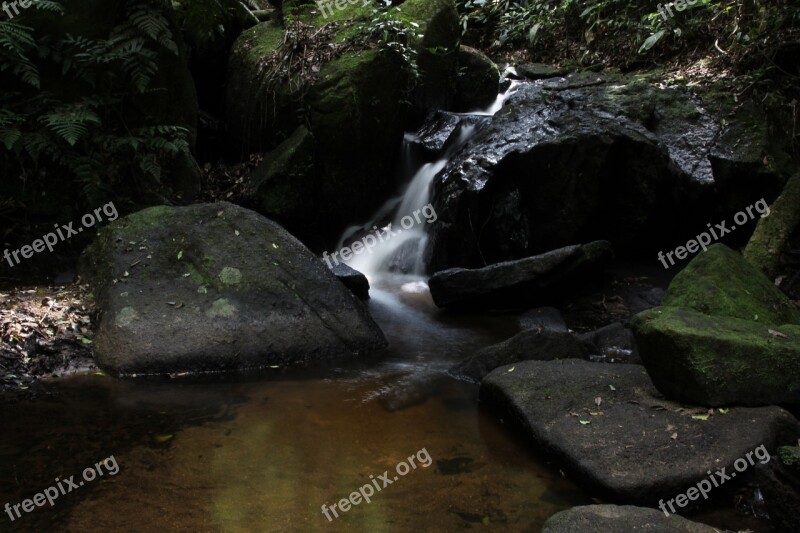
(724, 336)
(478, 80)
(533, 344)
(716, 360)
(337, 125)
(609, 428)
(613, 519)
(215, 287)
(522, 282)
(586, 157)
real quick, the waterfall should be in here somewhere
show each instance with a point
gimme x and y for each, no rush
(396, 234)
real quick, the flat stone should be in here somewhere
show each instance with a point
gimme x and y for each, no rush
(637, 447)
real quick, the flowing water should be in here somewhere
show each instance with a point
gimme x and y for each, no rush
(263, 452)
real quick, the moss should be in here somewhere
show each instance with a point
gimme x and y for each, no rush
(712, 361)
(143, 221)
(771, 237)
(230, 276)
(221, 308)
(720, 282)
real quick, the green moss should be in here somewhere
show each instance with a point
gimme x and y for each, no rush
(712, 361)
(771, 237)
(720, 282)
(143, 221)
(221, 308)
(230, 276)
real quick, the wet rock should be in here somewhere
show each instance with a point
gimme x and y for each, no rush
(440, 130)
(613, 343)
(625, 448)
(529, 345)
(577, 159)
(716, 360)
(352, 279)
(613, 519)
(522, 282)
(544, 318)
(477, 82)
(216, 287)
(779, 482)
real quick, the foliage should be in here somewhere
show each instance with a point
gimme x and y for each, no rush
(394, 35)
(89, 125)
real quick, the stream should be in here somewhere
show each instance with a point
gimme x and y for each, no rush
(264, 451)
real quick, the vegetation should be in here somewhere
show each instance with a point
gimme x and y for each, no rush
(88, 127)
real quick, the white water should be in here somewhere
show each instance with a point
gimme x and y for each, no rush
(404, 250)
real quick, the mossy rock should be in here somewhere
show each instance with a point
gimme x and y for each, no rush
(721, 282)
(258, 116)
(214, 287)
(719, 360)
(478, 80)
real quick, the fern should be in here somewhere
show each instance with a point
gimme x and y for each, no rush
(71, 122)
(88, 137)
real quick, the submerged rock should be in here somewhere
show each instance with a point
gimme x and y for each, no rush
(216, 287)
(626, 447)
(528, 345)
(522, 282)
(614, 519)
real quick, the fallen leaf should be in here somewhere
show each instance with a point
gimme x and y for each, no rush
(511, 369)
(598, 401)
(612, 387)
(699, 417)
(674, 436)
(585, 422)
(724, 411)
(775, 333)
(162, 438)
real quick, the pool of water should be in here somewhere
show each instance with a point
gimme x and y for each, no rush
(264, 452)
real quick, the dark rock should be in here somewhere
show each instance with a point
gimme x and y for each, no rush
(613, 519)
(613, 343)
(544, 318)
(638, 298)
(779, 481)
(522, 282)
(440, 130)
(716, 360)
(477, 84)
(216, 287)
(528, 345)
(574, 160)
(639, 448)
(352, 279)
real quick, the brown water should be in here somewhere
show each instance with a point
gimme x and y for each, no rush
(264, 452)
